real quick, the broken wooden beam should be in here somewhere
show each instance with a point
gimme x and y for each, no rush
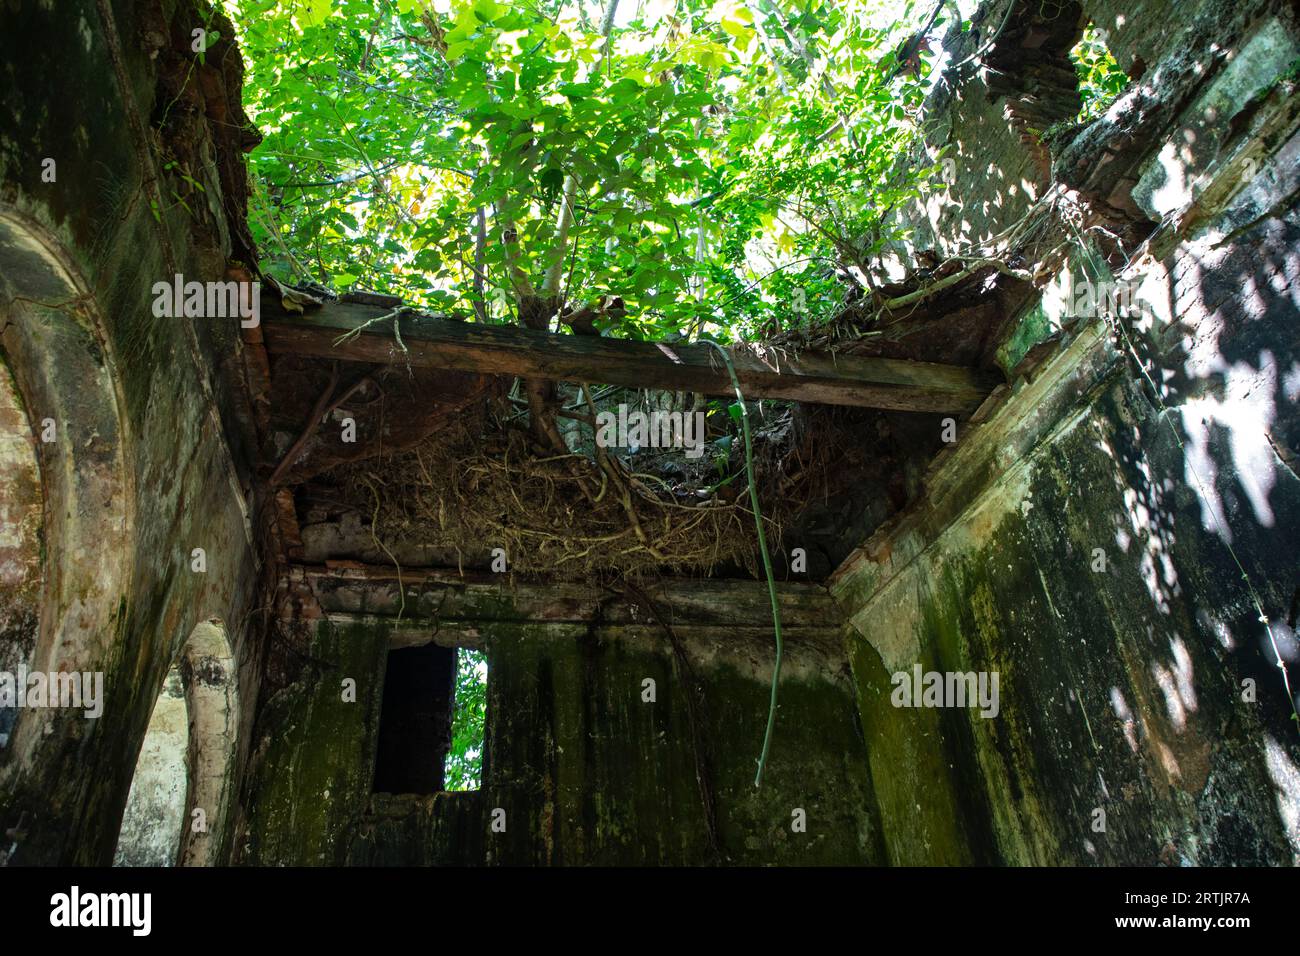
(340, 330)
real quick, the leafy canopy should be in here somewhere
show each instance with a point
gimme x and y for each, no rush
(717, 165)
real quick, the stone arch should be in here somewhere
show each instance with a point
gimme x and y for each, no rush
(179, 802)
(53, 345)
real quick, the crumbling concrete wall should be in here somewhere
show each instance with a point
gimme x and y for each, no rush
(1116, 541)
(102, 121)
(580, 768)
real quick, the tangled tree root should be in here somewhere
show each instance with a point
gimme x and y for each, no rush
(479, 485)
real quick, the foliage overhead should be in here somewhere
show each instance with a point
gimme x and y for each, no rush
(1101, 80)
(717, 165)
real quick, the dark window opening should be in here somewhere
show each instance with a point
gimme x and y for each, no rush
(431, 724)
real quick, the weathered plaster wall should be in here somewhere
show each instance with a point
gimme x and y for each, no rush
(1120, 689)
(143, 471)
(584, 769)
(1120, 550)
(22, 512)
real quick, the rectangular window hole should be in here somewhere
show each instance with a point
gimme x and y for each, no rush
(432, 719)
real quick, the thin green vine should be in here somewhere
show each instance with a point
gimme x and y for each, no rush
(767, 561)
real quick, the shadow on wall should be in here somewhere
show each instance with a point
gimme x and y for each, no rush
(1220, 345)
(1222, 349)
(1120, 545)
(1212, 502)
(1211, 511)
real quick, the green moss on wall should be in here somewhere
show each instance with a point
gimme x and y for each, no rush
(585, 771)
(1120, 634)
(312, 773)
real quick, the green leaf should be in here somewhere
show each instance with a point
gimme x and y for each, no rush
(318, 10)
(488, 10)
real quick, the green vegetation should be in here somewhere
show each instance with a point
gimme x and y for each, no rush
(464, 765)
(635, 168)
(1100, 78)
(722, 169)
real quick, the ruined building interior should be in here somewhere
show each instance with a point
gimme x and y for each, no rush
(1095, 514)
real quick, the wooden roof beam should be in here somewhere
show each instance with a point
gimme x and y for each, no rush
(340, 330)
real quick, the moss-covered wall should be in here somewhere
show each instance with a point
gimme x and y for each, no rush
(1120, 688)
(1116, 541)
(147, 465)
(585, 771)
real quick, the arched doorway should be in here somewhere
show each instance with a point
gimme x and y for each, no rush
(178, 805)
(155, 808)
